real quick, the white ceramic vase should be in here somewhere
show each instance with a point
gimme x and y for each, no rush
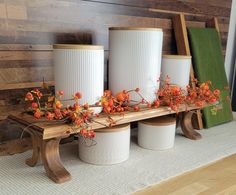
(177, 67)
(157, 133)
(112, 146)
(135, 60)
(79, 68)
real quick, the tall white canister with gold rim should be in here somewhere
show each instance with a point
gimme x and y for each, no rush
(177, 68)
(79, 68)
(135, 60)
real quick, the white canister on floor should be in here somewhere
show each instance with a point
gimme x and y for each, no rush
(112, 146)
(135, 60)
(157, 133)
(177, 67)
(79, 68)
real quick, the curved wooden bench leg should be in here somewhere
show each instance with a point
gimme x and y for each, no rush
(52, 162)
(36, 157)
(187, 127)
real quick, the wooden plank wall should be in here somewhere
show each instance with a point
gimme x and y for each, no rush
(28, 28)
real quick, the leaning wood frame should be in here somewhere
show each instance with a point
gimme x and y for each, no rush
(183, 47)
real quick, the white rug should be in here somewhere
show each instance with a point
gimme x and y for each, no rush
(144, 167)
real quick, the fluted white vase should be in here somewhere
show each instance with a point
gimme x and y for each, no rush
(79, 68)
(135, 60)
(177, 67)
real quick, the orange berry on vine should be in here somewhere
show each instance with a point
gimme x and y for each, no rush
(29, 97)
(156, 103)
(213, 99)
(208, 93)
(216, 92)
(199, 103)
(137, 90)
(108, 109)
(136, 108)
(83, 131)
(149, 105)
(37, 114)
(86, 106)
(121, 96)
(91, 134)
(58, 105)
(143, 101)
(110, 102)
(60, 93)
(78, 122)
(50, 116)
(77, 96)
(34, 105)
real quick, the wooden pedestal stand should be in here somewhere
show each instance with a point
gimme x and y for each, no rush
(46, 137)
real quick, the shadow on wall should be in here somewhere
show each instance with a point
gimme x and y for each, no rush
(10, 131)
(74, 38)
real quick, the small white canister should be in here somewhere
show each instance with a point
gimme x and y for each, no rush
(112, 146)
(135, 60)
(79, 68)
(157, 133)
(177, 67)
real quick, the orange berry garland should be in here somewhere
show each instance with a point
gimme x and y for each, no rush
(81, 116)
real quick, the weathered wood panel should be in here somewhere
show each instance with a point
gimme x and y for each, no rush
(29, 28)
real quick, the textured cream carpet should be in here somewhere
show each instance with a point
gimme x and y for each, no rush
(144, 167)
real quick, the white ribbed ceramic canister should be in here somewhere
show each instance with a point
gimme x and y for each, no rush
(157, 133)
(177, 67)
(79, 68)
(112, 146)
(135, 60)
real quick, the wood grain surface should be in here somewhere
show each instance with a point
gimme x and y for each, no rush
(52, 129)
(218, 178)
(29, 28)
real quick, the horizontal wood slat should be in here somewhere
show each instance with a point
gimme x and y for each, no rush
(25, 55)
(19, 75)
(184, 6)
(25, 47)
(24, 85)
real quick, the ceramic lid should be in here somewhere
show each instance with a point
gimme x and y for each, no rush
(114, 128)
(135, 28)
(160, 121)
(177, 56)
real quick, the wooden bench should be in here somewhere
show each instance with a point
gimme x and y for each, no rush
(46, 136)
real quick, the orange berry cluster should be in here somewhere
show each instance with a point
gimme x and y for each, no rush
(53, 109)
(174, 96)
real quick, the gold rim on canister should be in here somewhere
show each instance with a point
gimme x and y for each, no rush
(78, 46)
(177, 56)
(135, 28)
(159, 121)
(113, 129)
